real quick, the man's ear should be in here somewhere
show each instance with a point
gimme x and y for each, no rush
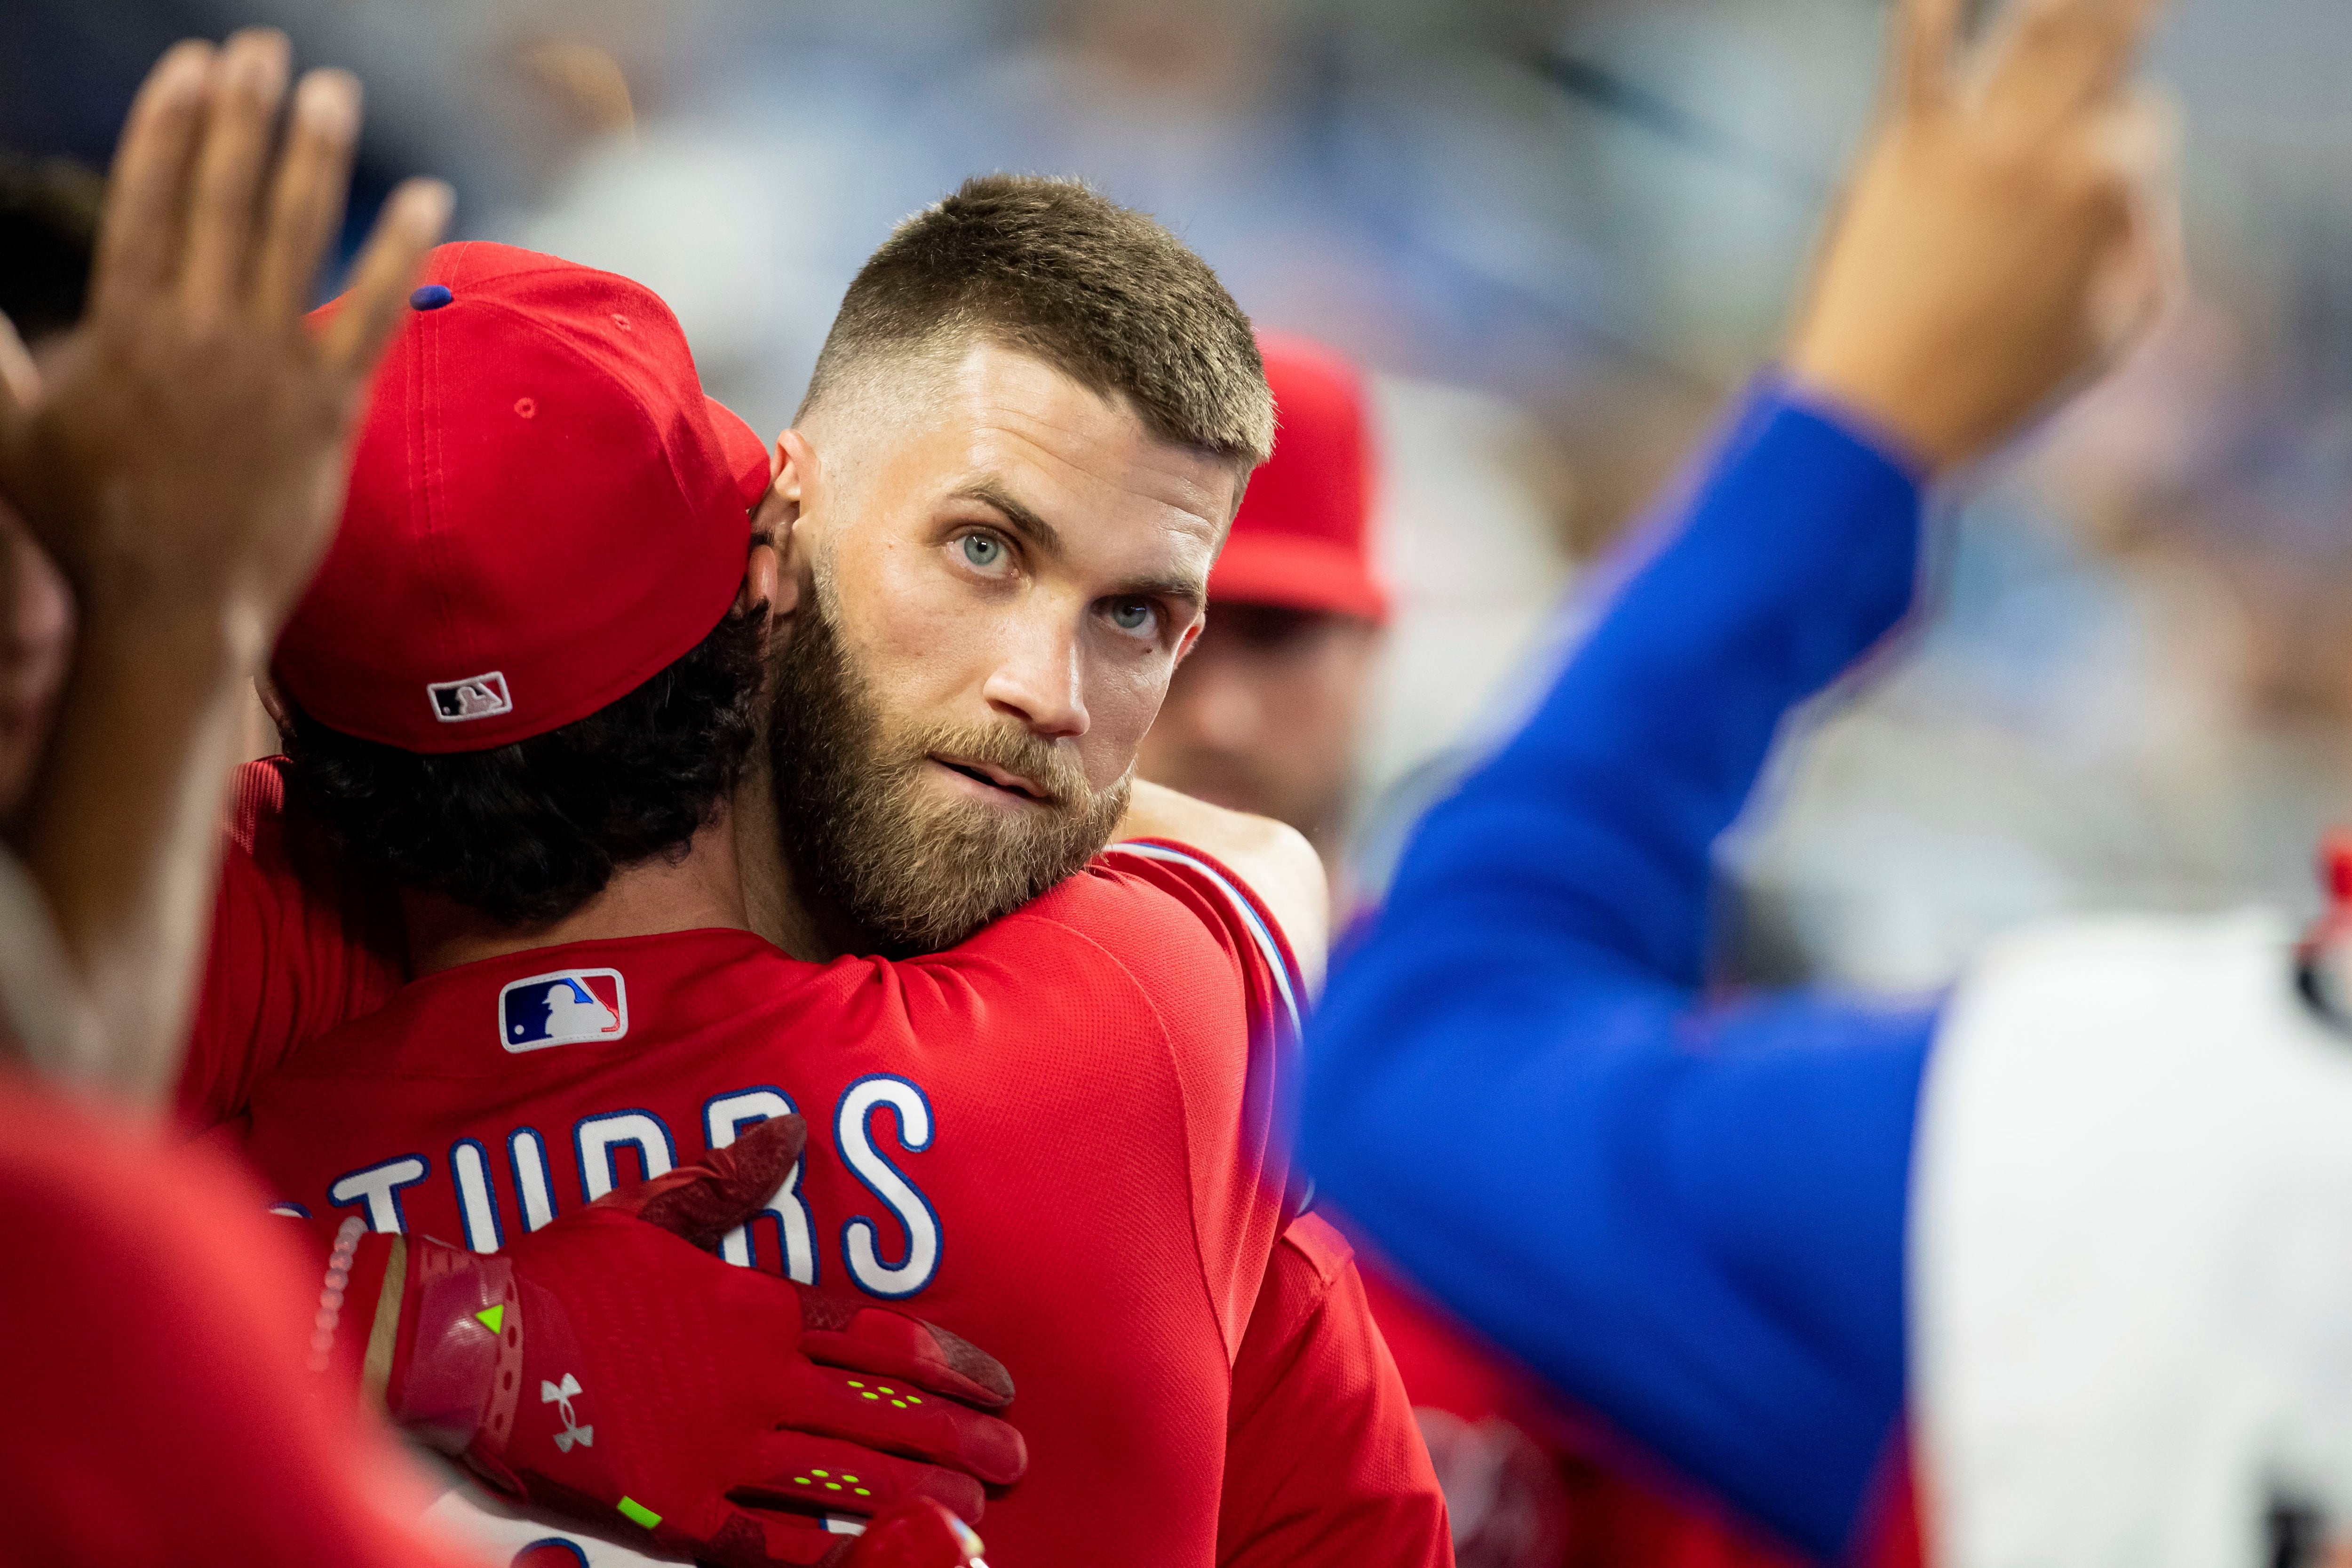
(793, 495)
(273, 702)
(763, 582)
(1191, 638)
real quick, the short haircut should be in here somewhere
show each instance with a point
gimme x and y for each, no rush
(527, 833)
(49, 231)
(1102, 293)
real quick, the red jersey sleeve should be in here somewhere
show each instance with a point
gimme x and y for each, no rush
(159, 1408)
(1241, 1170)
(1323, 1461)
(1223, 903)
(301, 942)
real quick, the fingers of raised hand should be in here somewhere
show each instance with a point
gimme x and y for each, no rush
(138, 242)
(916, 1534)
(802, 1471)
(895, 1416)
(1927, 35)
(240, 129)
(20, 379)
(2052, 58)
(409, 226)
(306, 199)
(841, 1333)
(2146, 273)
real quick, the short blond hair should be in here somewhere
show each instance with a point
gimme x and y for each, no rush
(1104, 294)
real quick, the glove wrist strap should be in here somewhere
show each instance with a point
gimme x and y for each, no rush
(456, 1388)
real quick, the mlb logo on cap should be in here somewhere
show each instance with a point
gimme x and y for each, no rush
(563, 1008)
(476, 697)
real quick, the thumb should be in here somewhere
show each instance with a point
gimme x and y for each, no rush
(20, 383)
(701, 1203)
(916, 1533)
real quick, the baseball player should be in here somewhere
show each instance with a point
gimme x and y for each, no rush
(2066, 1244)
(1054, 1134)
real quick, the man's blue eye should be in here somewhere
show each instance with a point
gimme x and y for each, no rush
(1130, 615)
(981, 551)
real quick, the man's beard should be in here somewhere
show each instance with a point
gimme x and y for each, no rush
(872, 841)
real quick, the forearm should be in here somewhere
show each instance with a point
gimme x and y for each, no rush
(122, 834)
(1793, 555)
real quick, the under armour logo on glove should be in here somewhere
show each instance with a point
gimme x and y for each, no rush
(727, 1438)
(560, 1394)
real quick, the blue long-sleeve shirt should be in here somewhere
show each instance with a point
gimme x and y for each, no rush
(1685, 1212)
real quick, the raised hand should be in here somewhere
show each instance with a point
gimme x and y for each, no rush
(184, 465)
(2007, 230)
(188, 453)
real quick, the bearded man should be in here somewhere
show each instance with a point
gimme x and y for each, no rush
(1037, 1084)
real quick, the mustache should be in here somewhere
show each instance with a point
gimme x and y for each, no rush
(1057, 776)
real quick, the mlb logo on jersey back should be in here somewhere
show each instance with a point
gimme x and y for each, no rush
(562, 1008)
(476, 697)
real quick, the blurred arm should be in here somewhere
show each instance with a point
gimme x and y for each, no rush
(185, 466)
(1689, 1218)
(1690, 1212)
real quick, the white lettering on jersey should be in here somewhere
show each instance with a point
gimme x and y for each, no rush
(597, 1141)
(598, 1136)
(912, 1210)
(379, 1187)
(476, 1209)
(529, 1156)
(724, 1120)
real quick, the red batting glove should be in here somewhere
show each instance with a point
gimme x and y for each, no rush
(918, 1534)
(607, 1369)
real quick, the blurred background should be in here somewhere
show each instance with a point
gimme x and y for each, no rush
(1558, 233)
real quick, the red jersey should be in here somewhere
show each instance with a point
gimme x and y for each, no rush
(1054, 1139)
(300, 944)
(1361, 1490)
(157, 1331)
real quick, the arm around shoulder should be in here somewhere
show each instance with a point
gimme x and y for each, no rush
(1274, 859)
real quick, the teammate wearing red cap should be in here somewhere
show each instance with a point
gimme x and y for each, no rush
(1263, 716)
(1054, 1137)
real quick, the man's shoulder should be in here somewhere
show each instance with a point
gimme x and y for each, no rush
(1181, 928)
(267, 828)
(283, 868)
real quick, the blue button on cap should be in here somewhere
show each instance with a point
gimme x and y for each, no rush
(432, 297)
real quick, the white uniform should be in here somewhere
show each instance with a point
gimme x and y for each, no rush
(2132, 1251)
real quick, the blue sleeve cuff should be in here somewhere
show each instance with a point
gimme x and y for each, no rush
(1783, 391)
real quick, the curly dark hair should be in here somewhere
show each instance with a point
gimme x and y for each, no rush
(527, 832)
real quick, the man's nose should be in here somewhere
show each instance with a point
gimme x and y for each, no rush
(1041, 683)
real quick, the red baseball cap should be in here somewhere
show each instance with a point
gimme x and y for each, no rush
(1299, 539)
(545, 511)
